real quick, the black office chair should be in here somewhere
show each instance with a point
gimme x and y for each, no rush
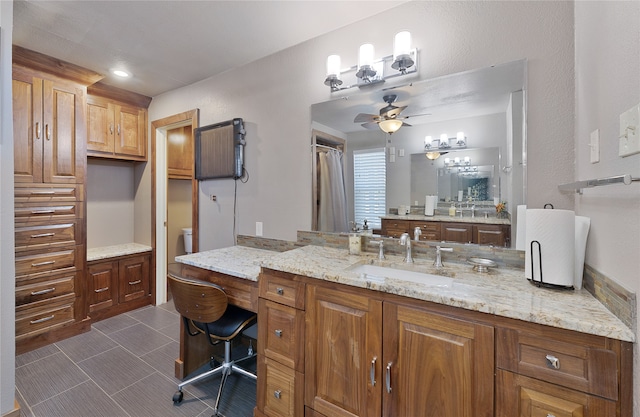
(205, 310)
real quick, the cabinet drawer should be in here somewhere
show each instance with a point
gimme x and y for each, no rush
(40, 236)
(579, 361)
(280, 395)
(281, 332)
(46, 192)
(520, 396)
(60, 285)
(32, 263)
(281, 288)
(68, 211)
(34, 320)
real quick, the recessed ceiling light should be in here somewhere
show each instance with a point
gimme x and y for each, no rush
(121, 73)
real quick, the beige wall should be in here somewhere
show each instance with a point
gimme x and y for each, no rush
(607, 84)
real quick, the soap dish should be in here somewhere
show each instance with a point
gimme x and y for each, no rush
(481, 264)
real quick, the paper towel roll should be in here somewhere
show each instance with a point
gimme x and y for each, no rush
(459, 195)
(521, 235)
(430, 202)
(555, 232)
(582, 231)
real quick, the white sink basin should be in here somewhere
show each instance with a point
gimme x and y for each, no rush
(379, 273)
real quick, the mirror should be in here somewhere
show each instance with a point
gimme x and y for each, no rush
(487, 104)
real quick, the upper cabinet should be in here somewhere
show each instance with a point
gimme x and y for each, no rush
(116, 123)
(180, 152)
(47, 128)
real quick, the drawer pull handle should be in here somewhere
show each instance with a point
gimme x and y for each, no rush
(111, 128)
(43, 211)
(135, 282)
(43, 263)
(101, 289)
(553, 362)
(277, 394)
(279, 291)
(372, 371)
(43, 235)
(41, 292)
(42, 192)
(278, 333)
(37, 130)
(42, 320)
(453, 229)
(47, 132)
(550, 415)
(389, 377)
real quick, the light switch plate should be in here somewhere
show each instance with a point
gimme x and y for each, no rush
(258, 228)
(400, 152)
(629, 140)
(594, 144)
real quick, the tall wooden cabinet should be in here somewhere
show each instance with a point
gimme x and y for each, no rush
(49, 98)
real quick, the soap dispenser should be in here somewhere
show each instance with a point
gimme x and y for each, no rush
(452, 210)
(355, 240)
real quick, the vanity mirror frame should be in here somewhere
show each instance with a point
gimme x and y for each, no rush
(498, 91)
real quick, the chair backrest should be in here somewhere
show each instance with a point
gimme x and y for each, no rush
(199, 301)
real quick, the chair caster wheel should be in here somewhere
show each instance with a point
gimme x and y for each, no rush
(177, 397)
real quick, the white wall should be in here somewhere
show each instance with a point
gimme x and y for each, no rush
(607, 84)
(274, 95)
(7, 260)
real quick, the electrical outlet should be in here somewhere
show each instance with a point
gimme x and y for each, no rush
(629, 140)
(214, 198)
(258, 228)
(594, 144)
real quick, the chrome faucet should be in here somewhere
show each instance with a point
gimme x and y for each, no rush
(416, 233)
(438, 262)
(473, 210)
(381, 251)
(405, 240)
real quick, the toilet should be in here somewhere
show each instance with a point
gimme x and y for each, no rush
(187, 234)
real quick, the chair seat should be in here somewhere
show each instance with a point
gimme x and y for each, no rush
(233, 320)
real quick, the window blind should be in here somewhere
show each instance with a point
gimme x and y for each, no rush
(369, 186)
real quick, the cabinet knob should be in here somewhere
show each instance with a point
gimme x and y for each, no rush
(278, 333)
(277, 394)
(279, 291)
(553, 362)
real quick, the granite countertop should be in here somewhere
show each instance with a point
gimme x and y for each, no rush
(502, 292)
(237, 261)
(113, 251)
(442, 218)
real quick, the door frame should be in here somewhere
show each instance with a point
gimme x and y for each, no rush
(159, 197)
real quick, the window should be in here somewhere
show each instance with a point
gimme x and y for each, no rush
(369, 186)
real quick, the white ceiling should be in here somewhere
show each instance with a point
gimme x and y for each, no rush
(170, 44)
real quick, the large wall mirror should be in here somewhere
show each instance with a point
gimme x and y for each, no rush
(487, 104)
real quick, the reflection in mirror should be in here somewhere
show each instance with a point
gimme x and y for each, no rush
(487, 104)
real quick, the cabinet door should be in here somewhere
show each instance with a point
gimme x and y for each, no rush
(395, 228)
(180, 152)
(457, 232)
(130, 131)
(520, 396)
(100, 126)
(134, 278)
(103, 285)
(343, 357)
(436, 366)
(489, 234)
(64, 141)
(27, 129)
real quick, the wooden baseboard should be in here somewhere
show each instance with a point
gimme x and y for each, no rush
(15, 412)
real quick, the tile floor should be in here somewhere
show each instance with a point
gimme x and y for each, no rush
(123, 367)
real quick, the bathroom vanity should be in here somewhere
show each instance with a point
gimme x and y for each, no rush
(334, 342)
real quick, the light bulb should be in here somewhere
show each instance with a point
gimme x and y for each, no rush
(365, 57)
(401, 45)
(333, 66)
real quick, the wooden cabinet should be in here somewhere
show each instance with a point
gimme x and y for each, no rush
(367, 357)
(180, 160)
(459, 232)
(116, 123)
(118, 285)
(48, 137)
(281, 352)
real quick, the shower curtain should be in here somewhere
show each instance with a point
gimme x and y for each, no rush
(332, 212)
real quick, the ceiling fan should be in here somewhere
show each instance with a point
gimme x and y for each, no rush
(389, 119)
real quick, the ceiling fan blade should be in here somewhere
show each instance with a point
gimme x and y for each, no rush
(364, 117)
(370, 125)
(406, 124)
(415, 115)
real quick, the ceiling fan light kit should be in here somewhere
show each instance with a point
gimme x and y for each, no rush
(389, 119)
(370, 71)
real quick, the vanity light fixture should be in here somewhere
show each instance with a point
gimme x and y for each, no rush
(435, 148)
(370, 71)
